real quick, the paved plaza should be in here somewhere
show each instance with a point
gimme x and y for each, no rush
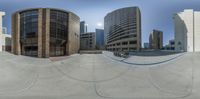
(100, 76)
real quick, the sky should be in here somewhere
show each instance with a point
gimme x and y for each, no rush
(155, 14)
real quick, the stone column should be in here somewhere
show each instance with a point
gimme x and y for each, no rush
(68, 47)
(46, 33)
(40, 33)
(16, 46)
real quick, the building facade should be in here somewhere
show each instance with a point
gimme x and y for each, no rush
(83, 27)
(45, 32)
(4, 31)
(170, 45)
(156, 40)
(100, 39)
(88, 41)
(146, 45)
(6, 40)
(187, 31)
(1, 30)
(123, 30)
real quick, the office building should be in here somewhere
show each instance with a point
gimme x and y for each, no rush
(100, 39)
(83, 27)
(123, 29)
(187, 31)
(4, 31)
(6, 40)
(146, 45)
(45, 32)
(170, 45)
(88, 41)
(156, 40)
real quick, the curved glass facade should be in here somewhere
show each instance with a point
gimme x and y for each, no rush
(45, 32)
(29, 32)
(58, 32)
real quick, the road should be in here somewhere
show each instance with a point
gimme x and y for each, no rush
(99, 76)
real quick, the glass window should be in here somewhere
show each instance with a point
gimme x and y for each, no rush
(28, 32)
(58, 32)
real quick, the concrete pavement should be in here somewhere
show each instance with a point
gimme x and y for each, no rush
(99, 76)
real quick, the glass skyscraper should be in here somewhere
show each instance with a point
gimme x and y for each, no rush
(83, 27)
(100, 39)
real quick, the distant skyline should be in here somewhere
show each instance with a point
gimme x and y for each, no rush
(156, 14)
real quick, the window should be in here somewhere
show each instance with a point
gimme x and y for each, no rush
(29, 24)
(124, 43)
(29, 32)
(133, 42)
(58, 32)
(58, 24)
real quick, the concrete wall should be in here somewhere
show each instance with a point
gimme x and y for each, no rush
(73, 44)
(180, 35)
(187, 31)
(189, 20)
(197, 31)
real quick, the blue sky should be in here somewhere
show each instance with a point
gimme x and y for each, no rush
(156, 14)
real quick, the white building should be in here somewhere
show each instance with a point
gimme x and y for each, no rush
(1, 29)
(187, 31)
(5, 39)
